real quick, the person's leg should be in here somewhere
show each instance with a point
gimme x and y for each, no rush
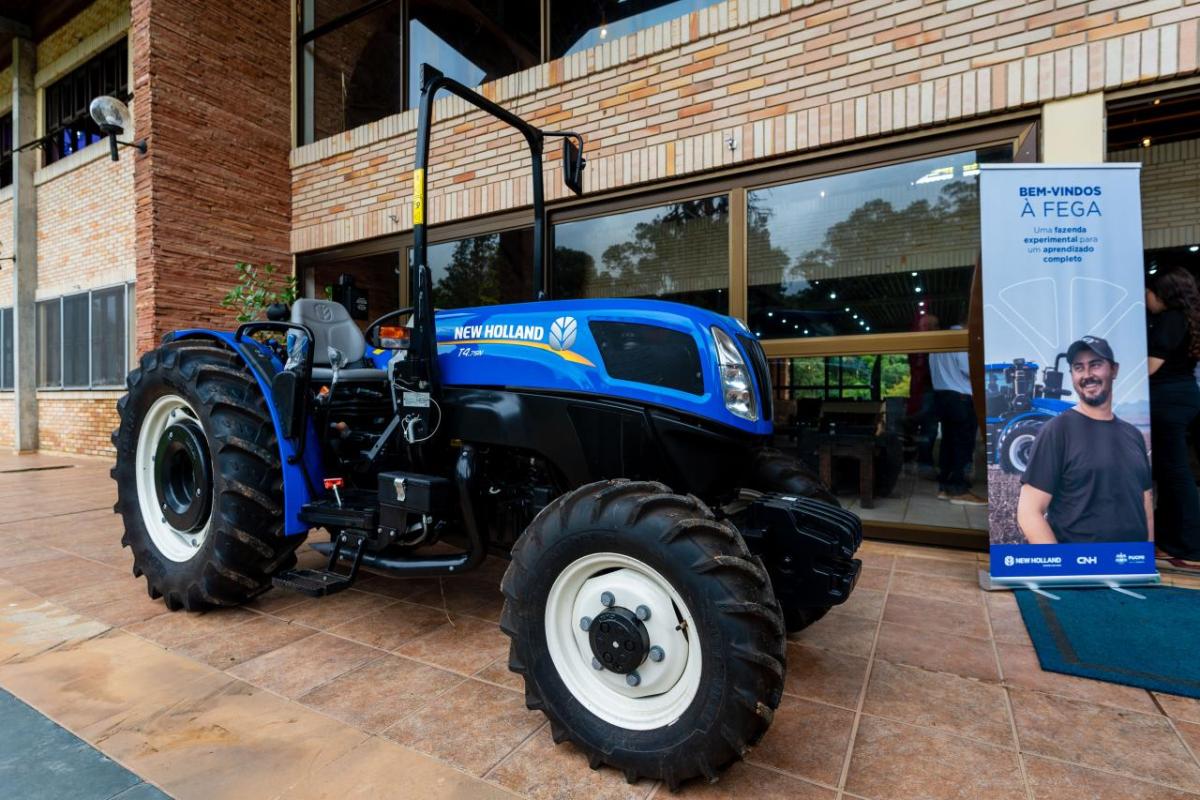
(944, 411)
(964, 444)
(1177, 516)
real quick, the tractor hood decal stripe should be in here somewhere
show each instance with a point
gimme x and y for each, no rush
(568, 355)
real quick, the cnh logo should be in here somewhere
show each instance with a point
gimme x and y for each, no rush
(1086, 560)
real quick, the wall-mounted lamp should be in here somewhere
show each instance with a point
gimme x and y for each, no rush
(112, 117)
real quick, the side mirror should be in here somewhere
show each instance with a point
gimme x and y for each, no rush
(112, 117)
(573, 164)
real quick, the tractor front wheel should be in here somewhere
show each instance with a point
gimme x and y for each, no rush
(199, 482)
(1017, 445)
(644, 630)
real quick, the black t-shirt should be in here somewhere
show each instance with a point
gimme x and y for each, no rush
(1096, 472)
(1169, 338)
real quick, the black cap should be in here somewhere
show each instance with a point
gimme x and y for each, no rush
(1094, 343)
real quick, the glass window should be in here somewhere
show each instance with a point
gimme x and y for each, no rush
(6, 150)
(473, 41)
(483, 270)
(350, 75)
(108, 337)
(837, 412)
(577, 26)
(368, 286)
(678, 252)
(885, 250)
(6, 342)
(75, 372)
(49, 343)
(130, 326)
(68, 125)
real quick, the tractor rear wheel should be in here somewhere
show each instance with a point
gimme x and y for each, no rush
(644, 630)
(775, 471)
(199, 483)
(1017, 445)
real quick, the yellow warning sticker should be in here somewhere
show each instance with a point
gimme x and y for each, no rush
(418, 197)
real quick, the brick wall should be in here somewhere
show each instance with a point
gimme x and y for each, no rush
(1170, 192)
(776, 76)
(214, 186)
(77, 422)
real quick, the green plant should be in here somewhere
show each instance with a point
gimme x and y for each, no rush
(257, 288)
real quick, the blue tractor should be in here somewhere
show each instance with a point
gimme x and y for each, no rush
(1017, 408)
(616, 451)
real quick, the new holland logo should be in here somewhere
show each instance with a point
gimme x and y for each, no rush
(562, 333)
(1009, 561)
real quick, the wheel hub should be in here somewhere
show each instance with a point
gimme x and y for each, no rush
(182, 475)
(619, 640)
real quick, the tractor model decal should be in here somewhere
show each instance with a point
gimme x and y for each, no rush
(562, 337)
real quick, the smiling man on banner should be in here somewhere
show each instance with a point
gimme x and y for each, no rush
(1088, 478)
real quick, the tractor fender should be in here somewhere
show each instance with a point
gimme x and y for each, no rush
(302, 471)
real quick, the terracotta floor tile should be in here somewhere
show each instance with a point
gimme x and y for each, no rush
(324, 613)
(472, 727)
(463, 596)
(806, 739)
(1008, 626)
(275, 600)
(465, 647)
(940, 700)
(1190, 733)
(936, 615)
(539, 770)
(118, 602)
(498, 672)
(31, 625)
(174, 628)
(390, 627)
(892, 761)
(963, 570)
(380, 769)
(871, 578)
(744, 780)
(841, 633)
(17, 553)
(940, 652)
(1054, 780)
(227, 648)
(1133, 744)
(1185, 708)
(937, 587)
(865, 603)
(60, 575)
(824, 675)
(1022, 669)
(395, 588)
(294, 669)
(380, 692)
(874, 559)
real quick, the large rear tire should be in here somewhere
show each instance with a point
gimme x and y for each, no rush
(710, 691)
(199, 483)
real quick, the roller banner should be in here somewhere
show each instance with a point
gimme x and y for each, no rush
(1068, 407)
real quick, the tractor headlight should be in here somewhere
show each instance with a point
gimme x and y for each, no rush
(737, 384)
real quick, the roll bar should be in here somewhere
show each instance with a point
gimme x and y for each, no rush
(432, 81)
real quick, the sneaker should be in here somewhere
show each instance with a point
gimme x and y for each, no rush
(943, 495)
(968, 499)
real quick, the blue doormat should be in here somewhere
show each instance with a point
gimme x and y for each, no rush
(1110, 636)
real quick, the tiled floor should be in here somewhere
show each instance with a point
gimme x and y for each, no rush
(920, 687)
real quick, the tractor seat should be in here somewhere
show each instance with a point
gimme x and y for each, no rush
(332, 327)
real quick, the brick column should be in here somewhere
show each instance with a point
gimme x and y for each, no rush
(25, 268)
(212, 95)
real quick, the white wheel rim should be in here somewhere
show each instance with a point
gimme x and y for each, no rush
(172, 543)
(666, 687)
(1016, 451)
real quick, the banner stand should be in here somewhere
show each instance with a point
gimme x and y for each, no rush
(1117, 583)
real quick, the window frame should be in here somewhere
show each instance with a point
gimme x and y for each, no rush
(7, 160)
(49, 132)
(127, 353)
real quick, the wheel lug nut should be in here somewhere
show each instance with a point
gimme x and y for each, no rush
(633, 679)
(607, 600)
(596, 664)
(643, 613)
(585, 623)
(657, 654)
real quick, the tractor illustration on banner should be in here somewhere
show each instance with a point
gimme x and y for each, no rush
(1017, 408)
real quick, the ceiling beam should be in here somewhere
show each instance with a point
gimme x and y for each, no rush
(12, 27)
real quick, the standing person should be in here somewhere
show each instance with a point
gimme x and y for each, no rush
(1088, 478)
(922, 421)
(951, 377)
(1173, 340)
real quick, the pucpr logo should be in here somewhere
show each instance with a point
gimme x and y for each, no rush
(1129, 558)
(1009, 561)
(562, 333)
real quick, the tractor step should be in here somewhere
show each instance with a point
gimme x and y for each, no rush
(320, 582)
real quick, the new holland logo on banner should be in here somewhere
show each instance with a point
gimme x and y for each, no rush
(1068, 409)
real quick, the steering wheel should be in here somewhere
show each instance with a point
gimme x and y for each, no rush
(372, 333)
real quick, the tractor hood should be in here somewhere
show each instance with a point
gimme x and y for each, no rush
(646, 351)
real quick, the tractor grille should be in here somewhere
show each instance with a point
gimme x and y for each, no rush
(762, 375)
